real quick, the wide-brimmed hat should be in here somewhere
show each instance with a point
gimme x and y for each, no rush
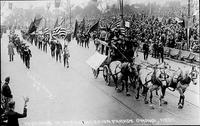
(7, 79)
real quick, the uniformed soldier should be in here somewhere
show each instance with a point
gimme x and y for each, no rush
(27, 55)
(58, 51)
(87, 37)
(53, 47)
(66, 55)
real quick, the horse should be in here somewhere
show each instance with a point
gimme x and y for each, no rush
(153, 81)
(180, 81)
(122, 72)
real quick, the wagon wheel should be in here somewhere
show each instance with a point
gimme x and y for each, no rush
(106, 74)
(95, 72)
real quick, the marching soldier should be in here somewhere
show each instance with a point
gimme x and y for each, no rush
(27, 55)
(40, 42)
(58, 51)
(86, 40)
(53, 47)
(11, 51)
(66, 56)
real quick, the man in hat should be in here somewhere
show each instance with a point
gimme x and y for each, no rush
(27, 55)
(6, 89)
(146, 49)
(58, 51)
(66, 55)
(6, 92)
(11, 51)
(13, 116)
(53, 47)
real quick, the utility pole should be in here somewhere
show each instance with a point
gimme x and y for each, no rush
(188, 28)
(70, 13)
(150, 7)
(199, 22)
(121, 4)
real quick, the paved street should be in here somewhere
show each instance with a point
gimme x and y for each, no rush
(60, 95)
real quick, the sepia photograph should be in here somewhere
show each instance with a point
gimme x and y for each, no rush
(100, 62)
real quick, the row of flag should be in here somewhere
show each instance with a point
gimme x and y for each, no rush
(57, 31)
(97, 26)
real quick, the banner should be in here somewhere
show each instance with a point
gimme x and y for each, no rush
(75, 29)
(96, 60)
(127, 24)
(94, 27)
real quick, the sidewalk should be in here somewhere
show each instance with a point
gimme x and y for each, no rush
(167, 59)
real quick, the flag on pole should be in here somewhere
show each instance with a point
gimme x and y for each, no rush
(75, 29)
(94, 27)
(37, 22)
(82, 25)
(34, 25)
(56, 24)
(62, 22)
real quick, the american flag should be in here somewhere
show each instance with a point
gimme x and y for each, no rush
(123, 31)
(46, 31)
(59, 31)
(116, 24)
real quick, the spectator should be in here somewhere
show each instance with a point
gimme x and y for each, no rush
(6, 89)
(146, 50)
(13, 116)
(161, 52)
(6, 93)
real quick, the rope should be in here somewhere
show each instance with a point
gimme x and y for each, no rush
(120, 52)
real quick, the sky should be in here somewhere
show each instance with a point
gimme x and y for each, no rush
(35, 3)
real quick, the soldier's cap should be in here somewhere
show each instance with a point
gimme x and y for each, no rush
(7, 79)
(11, 104)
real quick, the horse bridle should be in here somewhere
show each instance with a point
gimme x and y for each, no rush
(194, 74)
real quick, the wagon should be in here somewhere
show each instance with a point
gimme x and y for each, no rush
(101, 60)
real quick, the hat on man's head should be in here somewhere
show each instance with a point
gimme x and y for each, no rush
(11, 104)
(7, 79)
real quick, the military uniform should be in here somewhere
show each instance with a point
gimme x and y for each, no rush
(27, 55)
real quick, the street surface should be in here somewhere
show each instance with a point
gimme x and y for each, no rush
(72, 96)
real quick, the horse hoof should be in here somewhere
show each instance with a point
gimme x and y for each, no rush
(146, 102)
(151, 106)
(127, 94)
(180, 106)
(118, 90)
(165, 102)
